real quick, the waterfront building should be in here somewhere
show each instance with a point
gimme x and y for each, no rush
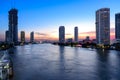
(103, 26)
(117, 26)
(76, 34)
(32, 37)
(22, 36)
(61, 34)
(13, 26)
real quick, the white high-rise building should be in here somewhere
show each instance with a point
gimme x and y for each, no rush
(103, 26)
(76, 34)
(61, 34)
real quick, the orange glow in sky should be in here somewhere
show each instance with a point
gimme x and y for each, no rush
(54, 35)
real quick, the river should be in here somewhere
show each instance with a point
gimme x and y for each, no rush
(52, 62)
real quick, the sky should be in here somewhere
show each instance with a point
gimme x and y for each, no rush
(45, 16)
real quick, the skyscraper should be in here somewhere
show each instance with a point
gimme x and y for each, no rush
(76, 34)
(13, 26)
(61, 34)
(7, 36)
(22, 36)
(117, 26)
(32, 37)
(103, 26)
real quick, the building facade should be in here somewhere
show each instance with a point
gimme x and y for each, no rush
(117, 26)
(7, 36)
(76, 34)
(32, 37)
(103, 26)
(22, 36)
(13, 26)
(61, 34)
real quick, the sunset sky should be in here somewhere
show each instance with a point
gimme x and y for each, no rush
(45, 16)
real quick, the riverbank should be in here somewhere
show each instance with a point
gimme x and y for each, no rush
(91, 45)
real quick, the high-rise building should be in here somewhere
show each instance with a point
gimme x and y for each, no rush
(76, 34)
(7, 36)
(103, 26)
(117, 26)
(61, 34)
(22, 36)
(13, 26)
(32, 37)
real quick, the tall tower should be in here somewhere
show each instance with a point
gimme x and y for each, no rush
(103, 26)
(76, 34)
(61, 34)
(32, 37)
(117, 26)
(13, 26)
(22, 36)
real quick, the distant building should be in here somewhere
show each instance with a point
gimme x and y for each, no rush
(7, 36)
(115, 41)
(94, 41)
(22, 36)
(76, 34)
(69, 40)
(117, 26)
(32, 37)
(103, 26)
(13, 26)
(87, 38)
(61, 34)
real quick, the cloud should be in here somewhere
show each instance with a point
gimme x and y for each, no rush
(68, 34)
(54, 32)
(41, 34)
(46, 38)
(90, 32)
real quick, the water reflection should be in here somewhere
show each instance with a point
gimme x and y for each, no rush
(49, 62)
(102, 55)
(103, 64)
(61, 59)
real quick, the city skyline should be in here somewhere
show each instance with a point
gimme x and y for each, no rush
(45, 17)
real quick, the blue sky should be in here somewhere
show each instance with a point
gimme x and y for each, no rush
(45, 16)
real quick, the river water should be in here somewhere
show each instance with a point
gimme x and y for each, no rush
(51, 62)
